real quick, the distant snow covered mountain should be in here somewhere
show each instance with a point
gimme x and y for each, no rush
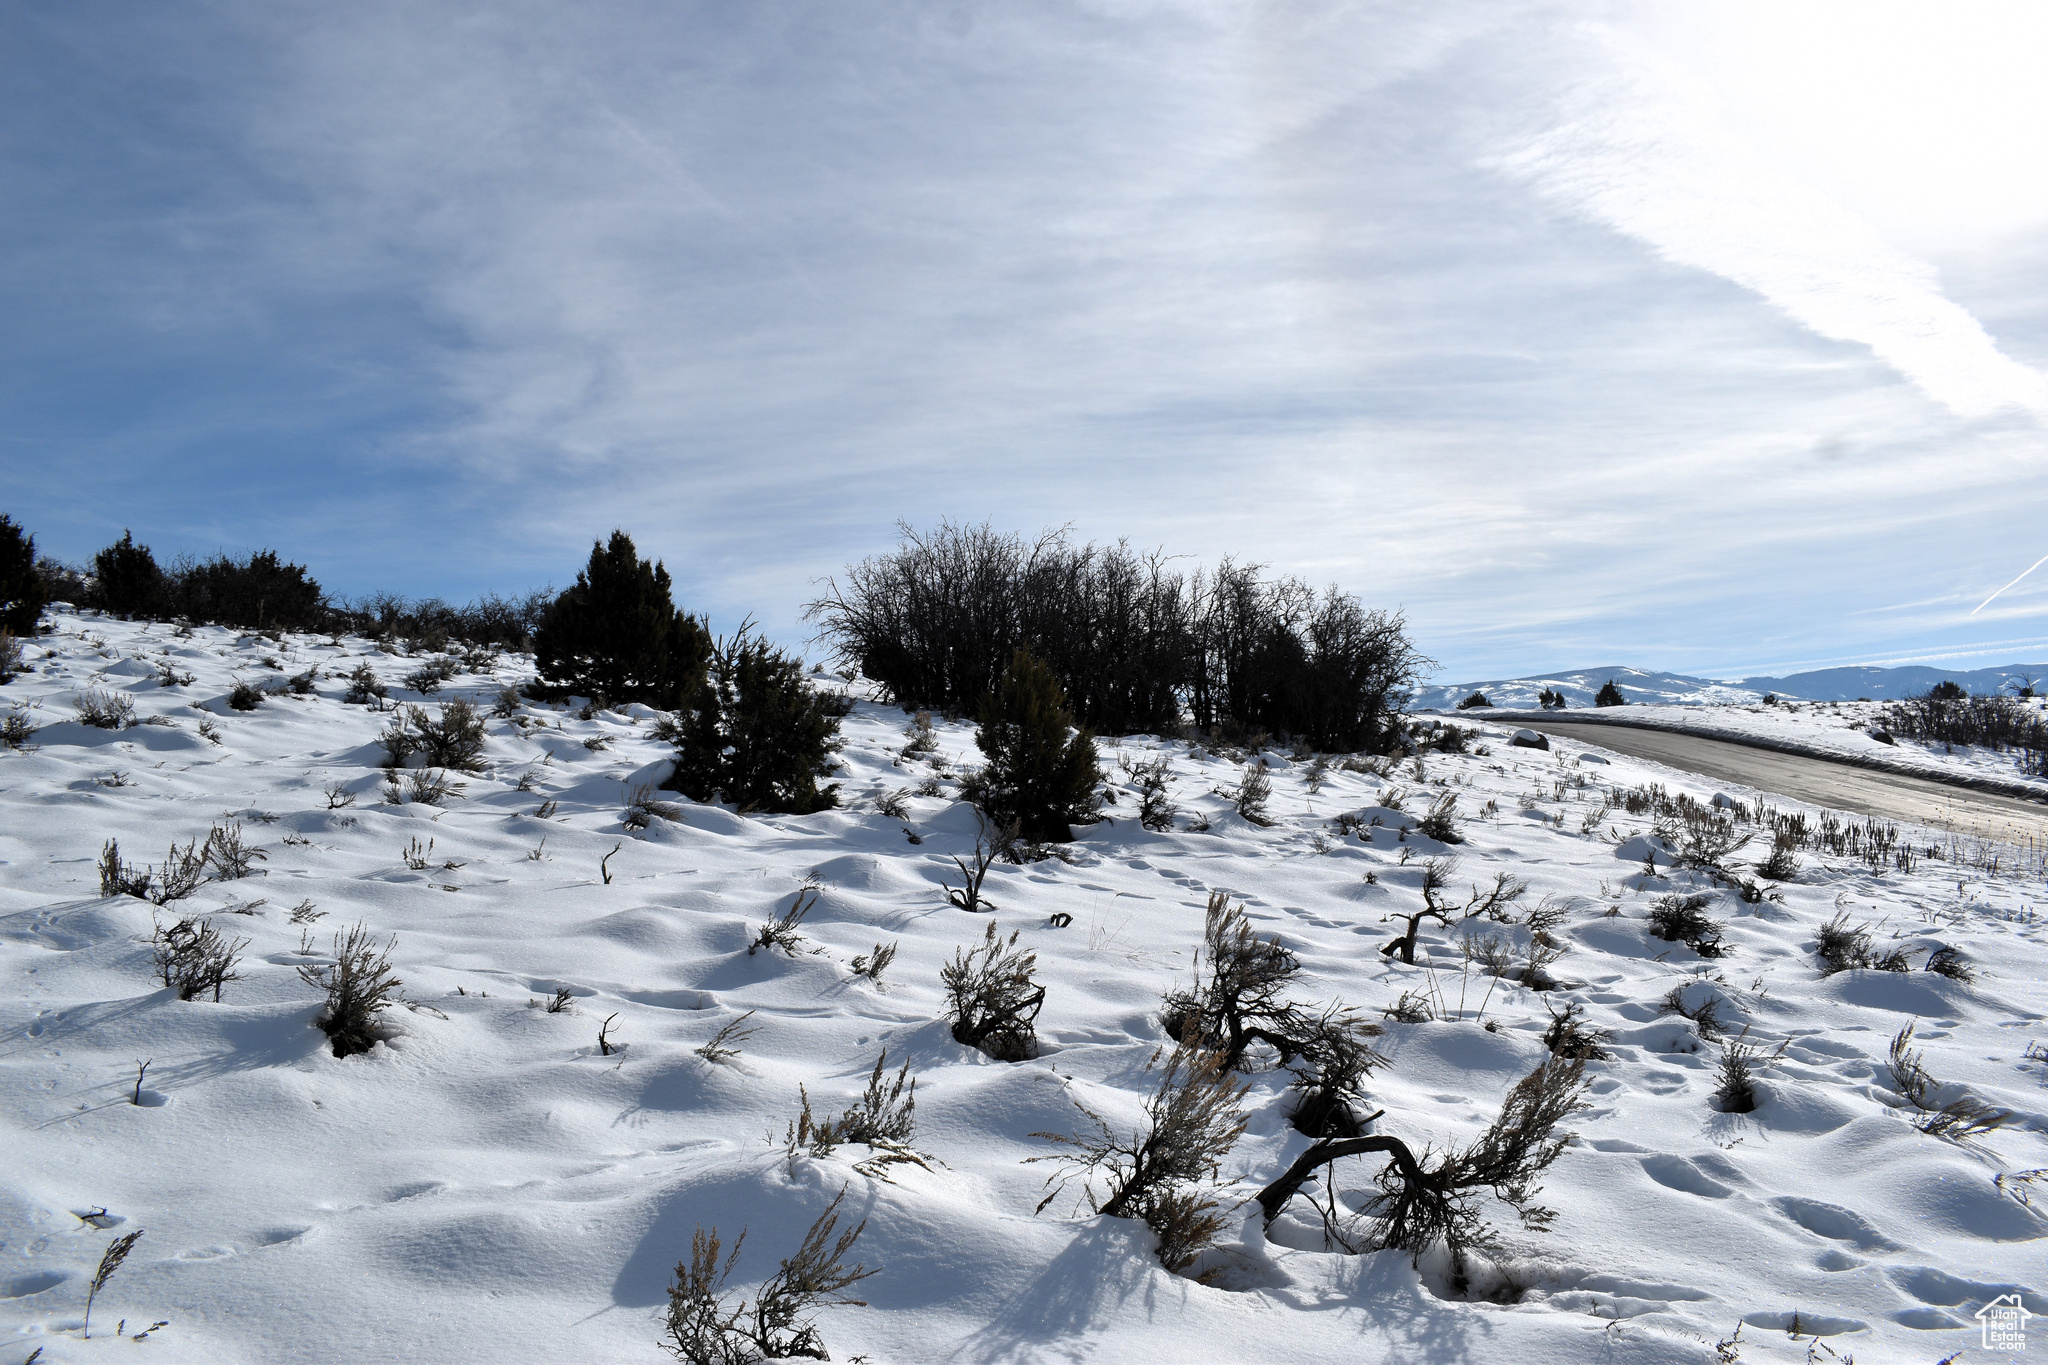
(1677, 689)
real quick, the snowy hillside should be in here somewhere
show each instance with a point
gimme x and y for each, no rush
(489, 1184)
(1581, 685)
(1676, 689)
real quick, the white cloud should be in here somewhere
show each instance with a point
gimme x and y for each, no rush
(756, 281)
(1638, 144)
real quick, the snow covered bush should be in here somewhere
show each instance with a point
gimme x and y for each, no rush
(229, 855)
(1254, 789)
(454, 739)
(1158, 1172)
(1440, 821)
(781, 930)
(360, 986)
(1155, 809)
(1684, 919)
(993, 995)
(16, 730)
(1238, 1002)
(615, 634)
(1041, 774)
(1844, 947)
(10, 655)
(364, 687)
(192, 957)
(1959, 1118)
(756, 733)
(1423, 1204)
(703, 1330)
(428, 677)
(105, 710)
(245, 696)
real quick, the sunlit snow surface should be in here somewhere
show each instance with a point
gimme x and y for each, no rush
(488, 1187)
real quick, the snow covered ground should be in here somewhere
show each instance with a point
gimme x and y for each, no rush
(488, 1186)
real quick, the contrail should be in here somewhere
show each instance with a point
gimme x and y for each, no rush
(2030, 568)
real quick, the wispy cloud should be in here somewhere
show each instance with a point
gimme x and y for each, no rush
(1638, 144)
(1470, 307)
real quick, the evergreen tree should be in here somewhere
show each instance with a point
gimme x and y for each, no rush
(1609, 695)
(1041, 772)
(757, 734)
(617, 635)
(21, 591)
(262, 592)
(128, 579)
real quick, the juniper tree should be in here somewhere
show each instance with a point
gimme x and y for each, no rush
(1041, 773)
(616, 634)
(756, 732)
(21, 591)
(127, 578)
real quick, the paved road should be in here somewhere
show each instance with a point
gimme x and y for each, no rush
(1889, 796)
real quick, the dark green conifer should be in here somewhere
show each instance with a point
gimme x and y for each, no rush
(21, 592)
(617, 636)
(756, 734)
(1041, 773)
(1609, 695)
(128, 580)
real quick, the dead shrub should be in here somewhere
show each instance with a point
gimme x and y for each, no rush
(192, 957)
(702, 1329)
(781, 930)
(105, 710)
(230, 856)
(1495, 955)
(1570, 1036)
(360, 986)
(993, 996)
(1948, 962)
(1440, 822)
(1163, 1171)
(1421, 1203)
(1958, 1119)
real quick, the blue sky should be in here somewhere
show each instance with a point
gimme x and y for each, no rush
(1706, 338)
